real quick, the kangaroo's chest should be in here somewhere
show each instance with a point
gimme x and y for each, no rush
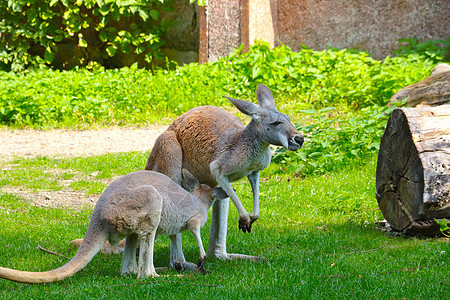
(176, 214)
(246, 167)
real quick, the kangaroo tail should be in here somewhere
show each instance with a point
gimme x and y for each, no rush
(91, 245)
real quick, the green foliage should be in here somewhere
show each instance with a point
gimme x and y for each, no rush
(435, 50)
(44, 98)
(68, 33)
(332, 143)
(304, 80)
(343, 78)
(443, 227)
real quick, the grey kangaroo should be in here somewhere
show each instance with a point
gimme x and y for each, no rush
(138, 206)
(217, 149)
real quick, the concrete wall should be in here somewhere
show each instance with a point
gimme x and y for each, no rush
(373, 25)
(182, 39)
(214, 31)
(262, 21)
(224, 27)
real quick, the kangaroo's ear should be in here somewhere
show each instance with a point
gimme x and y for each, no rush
(189, 181)
(219, 193)
(248, 108)
(264, 96)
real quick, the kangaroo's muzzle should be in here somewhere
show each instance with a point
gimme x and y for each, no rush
(296, 142)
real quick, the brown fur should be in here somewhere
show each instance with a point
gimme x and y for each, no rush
(217, 149)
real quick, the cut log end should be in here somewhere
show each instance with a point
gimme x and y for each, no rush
(413, 169)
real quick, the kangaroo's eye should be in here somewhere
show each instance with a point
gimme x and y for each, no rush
(276, 123)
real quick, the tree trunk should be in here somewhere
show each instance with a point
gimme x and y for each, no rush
(432, 91)
(413, 169)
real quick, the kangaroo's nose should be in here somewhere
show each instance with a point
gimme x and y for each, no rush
(299, 139)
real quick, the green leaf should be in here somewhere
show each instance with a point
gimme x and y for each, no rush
(255, 72)
(308, 111)
(103, 36)
(148, 57)
(140, 49)
(82, 42)
(48, 55)
(143, 14)
(154, 14)
(125, 47)
(104, 10)
(134, 8)
(443, 227)
(111, 50)
(326, 109)
(128, 2)
(53, 2)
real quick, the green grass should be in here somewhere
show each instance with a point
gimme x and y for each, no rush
(88, 174)
(318, 232)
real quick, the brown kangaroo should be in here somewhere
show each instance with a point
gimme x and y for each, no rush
(138, 206)
(217, 149)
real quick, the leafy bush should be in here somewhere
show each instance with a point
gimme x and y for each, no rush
(334, 143)
(304, 80)
(53, 98)
(323, 78)
(68, 33)
(435, 50)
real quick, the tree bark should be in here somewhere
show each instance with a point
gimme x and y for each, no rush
(432, 91)
(413, 169)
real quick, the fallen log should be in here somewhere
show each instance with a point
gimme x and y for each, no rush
(432, 91)
(413, 169)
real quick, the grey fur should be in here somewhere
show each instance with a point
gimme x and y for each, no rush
(217, 149)
(138, 206)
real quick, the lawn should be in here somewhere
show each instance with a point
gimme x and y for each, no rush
(318, 220)
(319, 233)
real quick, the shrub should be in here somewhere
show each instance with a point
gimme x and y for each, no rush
(69, 33)
(341, 78)
(435, 50)
(308, 79)
(334, 143)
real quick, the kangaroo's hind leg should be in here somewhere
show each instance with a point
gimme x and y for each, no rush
(129, 265)
(167, 156)
(148, 226)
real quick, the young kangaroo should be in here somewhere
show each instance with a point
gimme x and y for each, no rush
(217, 149)
(140, 205)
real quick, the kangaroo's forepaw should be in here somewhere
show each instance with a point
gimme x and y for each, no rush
(245, 226)
(201, 266)
(253, 218)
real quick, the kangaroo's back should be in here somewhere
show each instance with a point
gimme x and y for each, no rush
(193, 141)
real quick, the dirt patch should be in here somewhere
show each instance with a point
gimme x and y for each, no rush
(65, 143)
(63, 198)
(61, 142)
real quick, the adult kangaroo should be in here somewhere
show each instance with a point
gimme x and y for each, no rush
(140, 206)
(217, 149)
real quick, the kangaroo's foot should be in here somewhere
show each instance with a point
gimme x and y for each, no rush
(107, 248)
(191, 267)
(233, 256)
